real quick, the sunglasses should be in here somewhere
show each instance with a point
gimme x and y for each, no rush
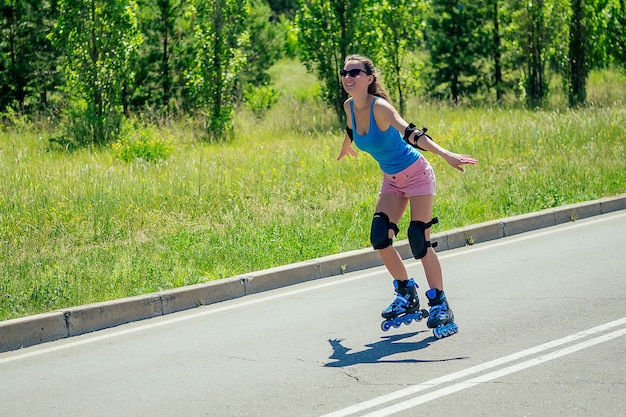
(352, 73)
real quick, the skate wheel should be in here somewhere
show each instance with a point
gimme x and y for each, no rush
(408, 320)
(397, 323)
(385, 325)
(437, 333)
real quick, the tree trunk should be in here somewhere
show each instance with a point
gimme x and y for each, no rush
(496, 54)
(577, 92)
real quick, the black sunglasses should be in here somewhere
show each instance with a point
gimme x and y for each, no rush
(352, 73)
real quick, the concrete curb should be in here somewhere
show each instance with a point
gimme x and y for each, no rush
(55, 325)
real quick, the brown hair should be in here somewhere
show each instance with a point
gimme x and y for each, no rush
(375, 88)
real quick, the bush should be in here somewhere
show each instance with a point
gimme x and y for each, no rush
(144, 143)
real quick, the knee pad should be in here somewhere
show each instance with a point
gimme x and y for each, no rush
(379, 233)
(417, 237)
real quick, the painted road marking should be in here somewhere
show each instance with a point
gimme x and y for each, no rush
(397, 395)
(495, 375)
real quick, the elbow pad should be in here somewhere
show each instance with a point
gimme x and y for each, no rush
(419, 133)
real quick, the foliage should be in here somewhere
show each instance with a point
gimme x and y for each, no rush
(142, 142)
(260, 99)
(159, 66)
(326, 31)
(265, 46)
(221, 36)
(392, 34)
(98, 37)
(285, 8)
(456, 45)
(614, 20)
(27, 59)
(191, 63)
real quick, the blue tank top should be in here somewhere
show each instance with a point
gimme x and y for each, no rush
(388, 148)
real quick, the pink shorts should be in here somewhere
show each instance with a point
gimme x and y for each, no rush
(417, 179)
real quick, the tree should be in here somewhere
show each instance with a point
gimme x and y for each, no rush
(283, 7)
(497, 52)
(578, 47)
(392, 32)
(27, 59)
(159, 66)
(326, 33)
(615, 14)
(98, 38)
(532, 38)
(221, 38)
(456, 42)
(265, 46)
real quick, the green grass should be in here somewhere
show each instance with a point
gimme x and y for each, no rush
(87, 226)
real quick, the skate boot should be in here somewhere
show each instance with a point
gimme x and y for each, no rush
(405, 308)
(441, 317)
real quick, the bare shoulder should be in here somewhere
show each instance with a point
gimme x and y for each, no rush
(384, 111)
(387, 115)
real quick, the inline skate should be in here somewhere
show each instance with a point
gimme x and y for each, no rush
(441, 317)
(405, 308)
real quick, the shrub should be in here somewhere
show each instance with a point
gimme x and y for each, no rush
(144, 143)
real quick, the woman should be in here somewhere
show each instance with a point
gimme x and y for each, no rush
(374, 125)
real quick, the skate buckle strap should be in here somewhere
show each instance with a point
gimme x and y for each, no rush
(400, 300)
(397, 306)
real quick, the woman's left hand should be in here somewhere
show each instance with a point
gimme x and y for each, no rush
(458, 160)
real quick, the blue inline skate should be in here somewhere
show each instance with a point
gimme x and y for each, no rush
(441, 317)
(405, 308)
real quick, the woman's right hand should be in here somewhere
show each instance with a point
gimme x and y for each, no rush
(346, 149)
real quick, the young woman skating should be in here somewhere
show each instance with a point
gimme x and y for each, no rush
(374, 126)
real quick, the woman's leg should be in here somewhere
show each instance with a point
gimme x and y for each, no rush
(441, 317)
(393, 206)
(422, 210)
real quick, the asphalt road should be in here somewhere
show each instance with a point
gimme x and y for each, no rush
(542, 319)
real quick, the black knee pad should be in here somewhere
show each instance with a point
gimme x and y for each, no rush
(379, 233)
(417, 237)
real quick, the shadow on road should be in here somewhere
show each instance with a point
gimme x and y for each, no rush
(389, 345)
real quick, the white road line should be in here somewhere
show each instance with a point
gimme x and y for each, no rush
(242, 303)
(413, 402)
(376, 402)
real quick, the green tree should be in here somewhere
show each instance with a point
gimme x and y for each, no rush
(456, 40)
(326, 32)
(27, 59)
(541, 32)
(578, 53)
(221, 37)
(265, 46)
(496, 51)
(615, 17)
(531, 34)
(160, 65)
(392, 31)
(283, 7)
(98, 38)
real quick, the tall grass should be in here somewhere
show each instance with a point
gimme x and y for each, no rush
(88, 226)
